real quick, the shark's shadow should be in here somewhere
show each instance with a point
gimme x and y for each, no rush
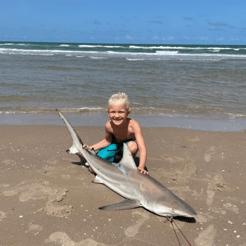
(185, 219)
(81, 162)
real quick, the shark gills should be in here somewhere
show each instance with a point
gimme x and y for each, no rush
(124, 178)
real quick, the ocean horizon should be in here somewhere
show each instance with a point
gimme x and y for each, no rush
(186, 86)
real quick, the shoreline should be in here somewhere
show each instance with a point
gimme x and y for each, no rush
(48, 198)
(148, 120)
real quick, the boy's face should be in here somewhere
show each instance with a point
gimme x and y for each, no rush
(118, 113)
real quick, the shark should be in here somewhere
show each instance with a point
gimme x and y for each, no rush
(124, 178)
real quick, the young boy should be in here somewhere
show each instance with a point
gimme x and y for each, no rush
(121, 129)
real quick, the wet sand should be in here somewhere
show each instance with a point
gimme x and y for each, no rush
(47, 196)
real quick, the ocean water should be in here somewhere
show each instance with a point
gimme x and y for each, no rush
(191, 86)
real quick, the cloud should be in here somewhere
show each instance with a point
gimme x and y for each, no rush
(203, 38)
(159, 16)
(216, 29)
(123, 31)
(170, 38)
(156, 22)
(96, 22)
(186, 37)
(188, 18)
(129, 37)
(217, 23)
(220, 39)
(155, 37)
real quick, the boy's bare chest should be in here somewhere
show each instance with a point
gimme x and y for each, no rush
(123, 134)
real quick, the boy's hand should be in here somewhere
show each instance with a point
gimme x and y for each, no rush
(86, 146)
(142, 170)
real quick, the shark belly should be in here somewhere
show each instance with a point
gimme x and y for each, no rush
(120, 182)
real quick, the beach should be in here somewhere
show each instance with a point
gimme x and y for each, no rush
(47, 196)
(189, 101)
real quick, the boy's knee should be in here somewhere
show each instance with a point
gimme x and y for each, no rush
(133, 147)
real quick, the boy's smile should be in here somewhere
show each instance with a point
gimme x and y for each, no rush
(118, 113)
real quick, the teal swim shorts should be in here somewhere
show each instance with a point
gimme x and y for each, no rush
(109, 153)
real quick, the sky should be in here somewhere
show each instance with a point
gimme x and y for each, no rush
(136, 22)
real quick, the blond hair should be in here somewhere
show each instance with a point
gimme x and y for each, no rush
(118, 98)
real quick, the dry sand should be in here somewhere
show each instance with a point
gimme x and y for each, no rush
(47, 197)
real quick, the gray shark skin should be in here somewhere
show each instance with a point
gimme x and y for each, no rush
(125, 179)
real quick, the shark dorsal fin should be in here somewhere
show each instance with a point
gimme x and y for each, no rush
(127, 159)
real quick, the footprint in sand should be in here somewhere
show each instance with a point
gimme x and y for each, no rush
(206, 237)
(50, 171)
(61, 238)
(35, 228)
(42, 189)
(173, 159)
(196, 139)
(186, 168)
(209, 153)
(216, 184)
(66, 176)
(230, 207)
(210, 197)
(9, 162)
(2, 215)
(203, 217)
(52, 161)
(132, 230)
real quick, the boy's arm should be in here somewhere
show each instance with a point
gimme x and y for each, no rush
(105, 142)
(141, 146)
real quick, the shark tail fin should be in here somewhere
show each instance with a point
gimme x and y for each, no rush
(69, 126)
(77, 142)
(126, 204)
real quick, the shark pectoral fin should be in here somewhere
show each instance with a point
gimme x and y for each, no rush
(97, 180)
(126, 204)
(73, 150)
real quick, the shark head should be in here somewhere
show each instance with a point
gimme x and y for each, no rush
(174, 208)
